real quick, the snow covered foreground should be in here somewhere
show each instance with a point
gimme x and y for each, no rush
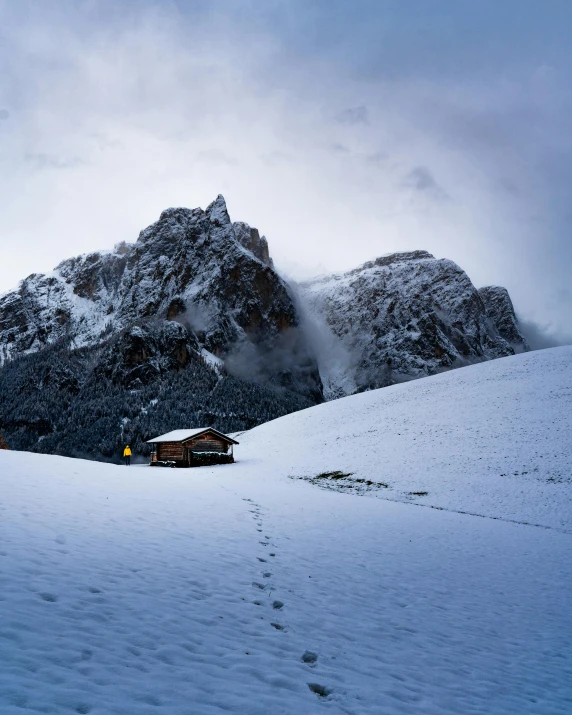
(205, 591)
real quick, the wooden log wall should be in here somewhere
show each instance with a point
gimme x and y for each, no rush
(167, 451)
(207, 443)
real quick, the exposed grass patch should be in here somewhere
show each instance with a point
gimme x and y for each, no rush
(369, 483)
(334, 475)
(418, 494)
(342, 481)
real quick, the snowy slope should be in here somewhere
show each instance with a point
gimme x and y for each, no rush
(493, 439)
(138, 591)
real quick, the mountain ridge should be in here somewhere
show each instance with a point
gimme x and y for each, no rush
(195, 312)
(410, 315)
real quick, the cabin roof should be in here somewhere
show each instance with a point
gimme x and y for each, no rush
(181, 435)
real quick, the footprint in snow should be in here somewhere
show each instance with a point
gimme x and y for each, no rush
(49, 597)
(277, 606)
(309, 657)
(278, 626)
(320, 690)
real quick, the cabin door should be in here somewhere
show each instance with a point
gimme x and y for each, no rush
(187, 456)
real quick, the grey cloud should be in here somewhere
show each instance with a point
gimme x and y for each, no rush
(276, 157)
(378, 157)
(49, 161)
(422, 180)
(509, 186)
(4, 114)
(540, 337)
(213, 156)
(353, 115)
(503, 154)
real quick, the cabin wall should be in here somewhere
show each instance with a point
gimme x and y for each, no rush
(207, 443)
(169, 451)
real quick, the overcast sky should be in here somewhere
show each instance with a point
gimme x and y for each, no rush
(342, 129)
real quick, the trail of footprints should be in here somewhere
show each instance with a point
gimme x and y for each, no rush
(308, 657)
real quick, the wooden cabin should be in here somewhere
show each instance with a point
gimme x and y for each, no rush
(192, 448)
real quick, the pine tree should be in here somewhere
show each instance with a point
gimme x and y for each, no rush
(3, 444)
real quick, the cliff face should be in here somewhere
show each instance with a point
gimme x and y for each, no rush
(401, 317)
(192, 266)
(500, 310)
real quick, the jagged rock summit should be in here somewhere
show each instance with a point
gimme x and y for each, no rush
(191, 266)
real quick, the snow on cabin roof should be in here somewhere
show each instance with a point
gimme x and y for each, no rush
(180, 435)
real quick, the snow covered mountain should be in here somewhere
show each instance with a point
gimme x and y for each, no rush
(411, 555)
(193, 325)
(190, 324)
(191, 266)
(403, 316)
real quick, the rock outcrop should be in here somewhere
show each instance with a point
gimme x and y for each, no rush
(400, 317)
(500, 310)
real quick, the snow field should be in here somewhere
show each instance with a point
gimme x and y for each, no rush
(202, 592)
(493, 439)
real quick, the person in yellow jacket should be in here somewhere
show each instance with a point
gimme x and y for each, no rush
(127, 455)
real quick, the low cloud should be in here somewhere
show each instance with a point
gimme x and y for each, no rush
(4, 114)
(194, 317)
(286, 362)
(212, 156)
(540, 337)
(422, 180)
(353, 116)
(48, 161)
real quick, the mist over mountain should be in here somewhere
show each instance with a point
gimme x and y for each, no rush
(192, 325)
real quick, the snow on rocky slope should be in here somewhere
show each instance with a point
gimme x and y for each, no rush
(192, 266)
(403, 316)
(244, 589)
(197, 293)
(193, 312)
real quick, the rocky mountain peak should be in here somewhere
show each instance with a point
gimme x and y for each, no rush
(217, 212)
(399, 257)
(188, 266)
(403, 316)
(251, 239)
